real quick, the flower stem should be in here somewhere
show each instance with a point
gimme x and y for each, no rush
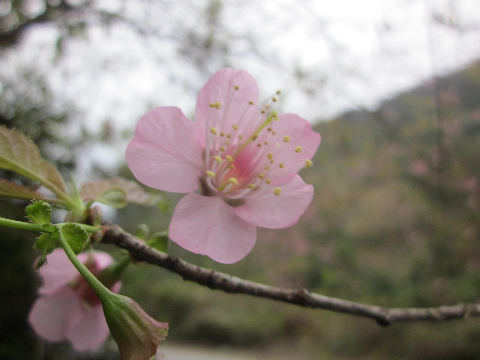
(21, 225)
(97, 286)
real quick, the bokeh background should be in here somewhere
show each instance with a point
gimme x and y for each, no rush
(392, 86)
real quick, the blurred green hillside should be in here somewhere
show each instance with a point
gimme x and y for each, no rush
(394, 222)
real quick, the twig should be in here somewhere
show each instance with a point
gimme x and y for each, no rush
(113, 234)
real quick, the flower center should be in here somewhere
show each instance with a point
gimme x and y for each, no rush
(240, 158)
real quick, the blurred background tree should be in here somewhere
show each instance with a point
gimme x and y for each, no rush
(394, 220)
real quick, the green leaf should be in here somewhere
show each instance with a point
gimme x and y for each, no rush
(76, 237)
(45, 243)
(159, 241)
(9, 189)
(134, 193)
(113, 197)
(142, 232)
(40, 212)
(20, 154)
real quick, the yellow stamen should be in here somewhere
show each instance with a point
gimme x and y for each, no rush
(308, 163)
(268, 181)
(298, 149)
(234, 127)
(286, 138)
(250, 102)
(222, 148)
(261, 176)
(279, 92)
(259, 145)
(266, 168)
(236, 87)
(281, 166)
(270, 156)
(229, 158)
(266, 143)
(210, 173)
(263, 111)
(269, 129)
(218, 159)
(213, 131)
(240, 136)
(277, 191)
(232, 180)
(229, 136)
(222, 134)
(251, 186)
(231, 167)
(274, 99)
(217, 105)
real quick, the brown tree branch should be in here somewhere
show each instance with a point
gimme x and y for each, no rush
(113, 234)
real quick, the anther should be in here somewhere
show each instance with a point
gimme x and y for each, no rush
(229, 136)
(210, 173)
(251, 187)
(232, 180)
(268, 181)
(281, 165)
(259, 145)
(263, 111)
(231, 167)
(266, 143)
(269, 129)
(308, 163)
(255, 137)
(286, 138)
(298, 149)
(236, 87)
(270, 156)
(234, 127)
(240, 136)
(277, 191)
(222, 148)
(279, 92)
(275, 116)
(274, 99)
(217, 105)
(267, 106)
(222, 134)
(250, 102)
(213, 131)
(227, 142)
(261, 176)
(218, 159)
(229, 158)
(266, 168)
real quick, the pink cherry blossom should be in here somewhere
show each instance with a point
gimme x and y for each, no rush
(68, 308)
(241, 154)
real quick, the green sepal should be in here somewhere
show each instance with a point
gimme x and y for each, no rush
(142, 232)
(46, 243)
(76, 237)
(116, 198)
(159, 241)
(39, 212)
(50, 228)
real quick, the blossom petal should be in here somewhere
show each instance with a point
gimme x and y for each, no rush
(102, 259)
(278, 211)
(235, 104)
(58, 272)
(52, 315)
(163, 153)
(208, 226)
(91, 332)
(302, 142)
